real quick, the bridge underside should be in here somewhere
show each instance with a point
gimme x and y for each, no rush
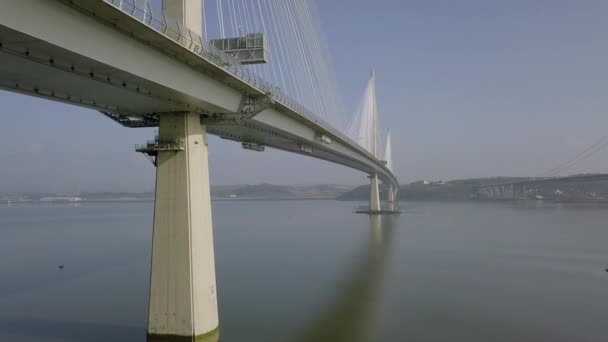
(265, 135)
(33, 67)
(71, 71)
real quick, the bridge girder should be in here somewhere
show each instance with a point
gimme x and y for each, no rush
(98, 66)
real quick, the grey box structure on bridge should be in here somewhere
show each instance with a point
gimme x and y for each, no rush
(249, 49)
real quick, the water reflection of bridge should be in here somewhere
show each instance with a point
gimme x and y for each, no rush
(348, 315)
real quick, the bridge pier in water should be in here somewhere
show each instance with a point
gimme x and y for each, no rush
(374, 194)
(183, 298)
(391, 198)
(390, 194)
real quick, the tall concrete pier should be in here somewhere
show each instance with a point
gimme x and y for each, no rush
(374, 195)
(183, 293)
(189, 13)
(183, 298)
(390, 194)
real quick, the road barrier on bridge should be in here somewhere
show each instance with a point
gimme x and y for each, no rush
(174, 30)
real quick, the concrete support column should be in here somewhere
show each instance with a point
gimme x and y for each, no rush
(374, 196)
(189, 13)
(183, 299)
(390, 193)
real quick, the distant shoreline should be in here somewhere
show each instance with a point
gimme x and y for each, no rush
(258, 192)
(266, 199)
(227, 199)
(145, 200)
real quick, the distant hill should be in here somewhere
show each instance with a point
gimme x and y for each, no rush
(422, 190)
(252, 191)
(272, 191)
(462, 189)
(220, 192)
(360, 193)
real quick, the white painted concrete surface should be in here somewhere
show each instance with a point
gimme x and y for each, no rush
(189, 12)
(374, 196)
(390, 193)
(183, 299)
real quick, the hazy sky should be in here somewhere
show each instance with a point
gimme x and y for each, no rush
(469, 88)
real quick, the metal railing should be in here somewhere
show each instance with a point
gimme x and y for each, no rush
(174, 30)
(161, 145)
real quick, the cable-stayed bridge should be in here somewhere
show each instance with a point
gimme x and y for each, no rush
(265, 81)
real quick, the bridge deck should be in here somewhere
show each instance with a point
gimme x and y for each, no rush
(98, 65)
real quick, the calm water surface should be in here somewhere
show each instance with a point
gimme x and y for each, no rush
(312, 271)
